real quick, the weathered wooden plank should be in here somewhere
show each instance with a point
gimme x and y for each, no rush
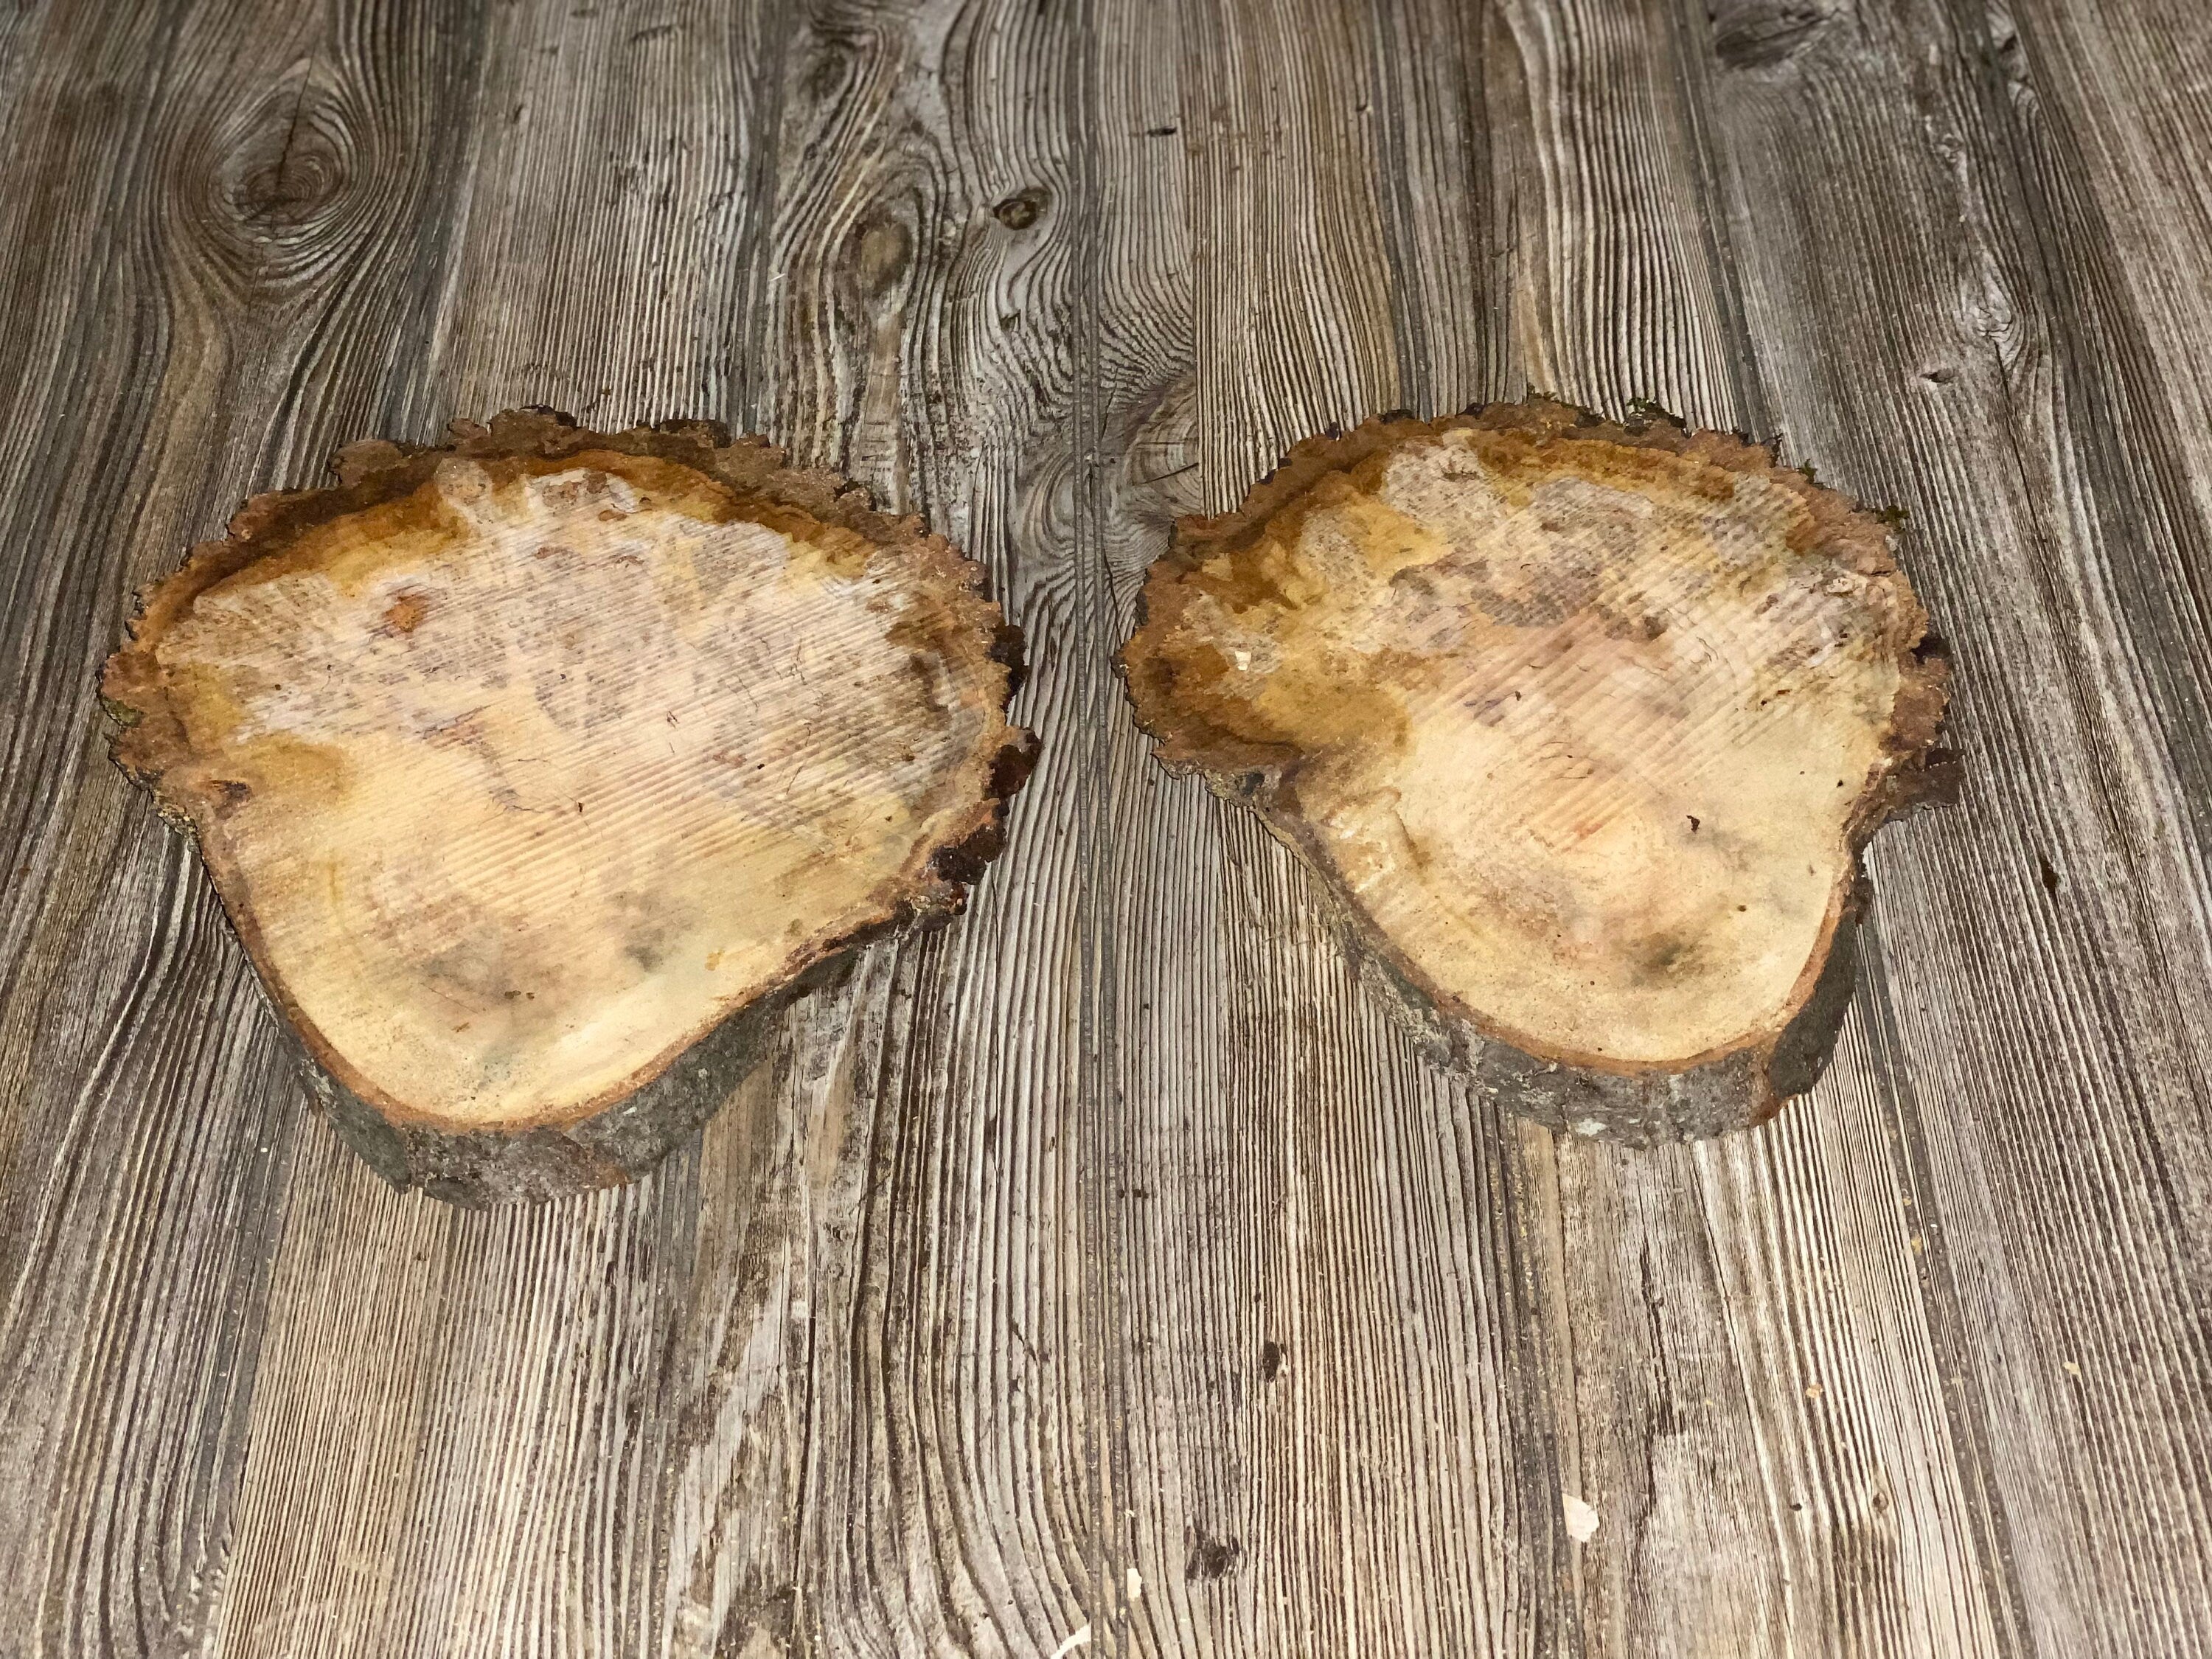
(613, 216)
(917, 333)
(1336, 1434)
(1762, 1388)
(21, 28)
(2110, 148)
(461, 1438)
(1446, 229)
(1941, 327)
(1617, 288)
(185, 310)
(1612, 1253)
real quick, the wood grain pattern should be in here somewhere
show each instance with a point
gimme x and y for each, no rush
(1107, 1262)
(479, 933)
(2052, 1265)
(204, 191)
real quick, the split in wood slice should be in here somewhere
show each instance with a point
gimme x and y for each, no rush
(1583, 728)
(537, 770)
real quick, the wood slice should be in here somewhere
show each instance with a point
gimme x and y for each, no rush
(1582, 726)
(537, 771)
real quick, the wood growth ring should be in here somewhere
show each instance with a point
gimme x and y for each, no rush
(536, 768)
(1582, 726)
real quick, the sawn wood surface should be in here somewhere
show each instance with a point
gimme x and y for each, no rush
(1105, 1273)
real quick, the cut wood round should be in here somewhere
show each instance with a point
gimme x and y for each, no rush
(1583, 728)
(537, 770)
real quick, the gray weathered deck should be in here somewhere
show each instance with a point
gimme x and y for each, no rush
(1104, 1260)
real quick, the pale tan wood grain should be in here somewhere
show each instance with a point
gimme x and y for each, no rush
(1580, 723)
(523, 764)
